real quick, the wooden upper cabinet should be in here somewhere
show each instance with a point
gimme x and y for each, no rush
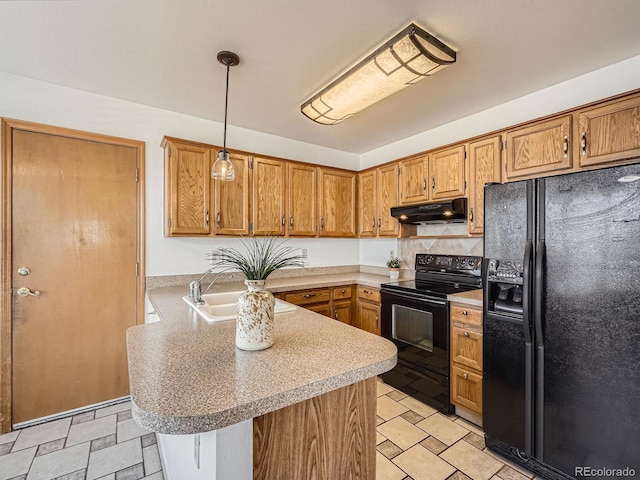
(302, 197)
(484, 167)
(268, 213)
(231, 205)
(387, 197)
(446, 168)
(414, 180)
(367, 218)
(187, 193)
(539, 149)
(609, 133)
(337, 203)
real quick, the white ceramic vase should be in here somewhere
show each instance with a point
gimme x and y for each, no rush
(254, 325)
(394, 273)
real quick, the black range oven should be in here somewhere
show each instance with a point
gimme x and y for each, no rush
(415, 316)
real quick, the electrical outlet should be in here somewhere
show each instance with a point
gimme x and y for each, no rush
(303, 252)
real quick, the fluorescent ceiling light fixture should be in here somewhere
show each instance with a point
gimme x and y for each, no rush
(407, 58)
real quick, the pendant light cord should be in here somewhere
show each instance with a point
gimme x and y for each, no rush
(226, 103)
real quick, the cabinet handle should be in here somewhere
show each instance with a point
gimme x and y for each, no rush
(308, 295)
(373, 224)
(218, 219)
(284, 221)
(464, 312)
(424, 184)
(465, 376)
(291, 221)
(206, 218)
(343, 290)
(565, 146)
(368, 292)
(379, 223)
(433, 183)
(377, 321)
(583, 143)
(466, 334)
(336, 315)
(471, 216)
(322, 224)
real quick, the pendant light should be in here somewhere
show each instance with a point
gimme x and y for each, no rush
(223, 166)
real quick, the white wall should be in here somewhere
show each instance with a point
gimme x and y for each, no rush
(36, 101)
(26, 99)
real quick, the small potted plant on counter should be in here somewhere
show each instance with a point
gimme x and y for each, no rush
(394, 267)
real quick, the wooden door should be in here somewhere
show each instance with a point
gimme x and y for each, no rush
(269, 216)
(466, 346)
(446, 168)
(484, 167)
(187, 191)
(337, 203)
(609, 133)
(75, 237)
(413, 180)
(466, 389)
(367, 218)
(342, 311)
(387, 197)
(302, 198)
(231, 202)
(539, 149)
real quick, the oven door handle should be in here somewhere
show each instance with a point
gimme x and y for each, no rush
(418, 297)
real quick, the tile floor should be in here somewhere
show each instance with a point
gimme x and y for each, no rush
(103, 444)
(414, 442)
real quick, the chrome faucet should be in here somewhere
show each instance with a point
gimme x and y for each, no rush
(195, 287)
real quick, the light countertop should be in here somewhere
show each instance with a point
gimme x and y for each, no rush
(187, 376)
(473, 297)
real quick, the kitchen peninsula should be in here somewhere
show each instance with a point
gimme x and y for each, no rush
(304, 407)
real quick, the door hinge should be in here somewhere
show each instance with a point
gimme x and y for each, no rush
(137, 174)
(251, 228)
(465, 185)
(503, 145)
(137, 269)
(169, 151)
(169, 223)
(398, 170)
(465, 154)
(251, 164)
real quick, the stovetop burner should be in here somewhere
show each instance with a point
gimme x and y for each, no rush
(442, 275)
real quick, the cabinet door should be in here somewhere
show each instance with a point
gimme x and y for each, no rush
(541, 148)
(342, 311)
(466, 389)
(302, 198)
(387, 197)
(187, 191)
(367, 221)
(232, 200)
(446, 168)
(269, 216)
(484, 167)
(414, 180)
(369, 317)
(337, 203)
(321, 308)
(466, 346)
(610, 132)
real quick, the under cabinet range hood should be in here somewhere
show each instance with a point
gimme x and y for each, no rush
(449, 211)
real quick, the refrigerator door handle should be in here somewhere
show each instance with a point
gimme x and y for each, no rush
(528, 346)
(539, 369)
(526, 291)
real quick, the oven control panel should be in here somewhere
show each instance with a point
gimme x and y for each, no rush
(449, 263)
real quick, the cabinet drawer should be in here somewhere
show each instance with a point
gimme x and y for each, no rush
(466, 347)
(305, 297)
(368, 293)
(322, 309)
(340, 293)
(466, 389)
(465, 314)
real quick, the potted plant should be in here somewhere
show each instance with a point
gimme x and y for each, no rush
(394, 267)
(262, 257)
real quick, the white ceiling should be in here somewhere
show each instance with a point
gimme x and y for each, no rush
(162, 53)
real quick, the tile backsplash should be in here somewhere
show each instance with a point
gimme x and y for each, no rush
(408, 247)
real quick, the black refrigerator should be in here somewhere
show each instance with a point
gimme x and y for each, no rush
(561, 345)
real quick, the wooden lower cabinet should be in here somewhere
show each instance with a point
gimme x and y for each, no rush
(368, 317)
(316, 299)
(466, 357)
(332, 436)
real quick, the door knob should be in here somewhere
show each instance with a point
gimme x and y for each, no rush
(25, 292)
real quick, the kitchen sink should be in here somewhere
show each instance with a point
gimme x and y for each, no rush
(223, 306)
